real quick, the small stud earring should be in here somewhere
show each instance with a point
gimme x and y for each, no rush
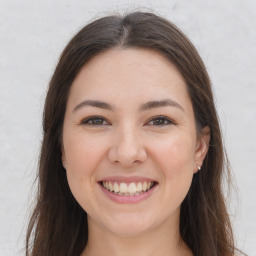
(199, 168)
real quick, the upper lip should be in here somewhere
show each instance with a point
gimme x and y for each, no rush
(127, 179)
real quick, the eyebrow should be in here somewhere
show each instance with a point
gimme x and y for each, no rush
(146, 106)
(94, 103)
(161, 103)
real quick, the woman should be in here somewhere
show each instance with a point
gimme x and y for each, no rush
(132, 157)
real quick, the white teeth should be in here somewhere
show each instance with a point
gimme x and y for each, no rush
(107, 184)
(127, 189)
(139, 187)
(123, 188)
(111, 187)
(144, 186)
(132, 188)
(116, 187)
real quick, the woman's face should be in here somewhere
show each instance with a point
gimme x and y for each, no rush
(130, 145)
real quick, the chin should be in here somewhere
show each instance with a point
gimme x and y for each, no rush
(129, 226)
(127, 231)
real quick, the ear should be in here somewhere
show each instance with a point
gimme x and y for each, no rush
(202, 147)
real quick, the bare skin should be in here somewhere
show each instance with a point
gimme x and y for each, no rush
(129, 119)
(144, 244)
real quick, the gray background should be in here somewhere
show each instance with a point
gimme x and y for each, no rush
(32, 36)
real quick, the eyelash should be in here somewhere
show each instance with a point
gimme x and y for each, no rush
(162, 118)
(89, 121)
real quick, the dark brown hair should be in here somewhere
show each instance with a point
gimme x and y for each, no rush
(58, 225)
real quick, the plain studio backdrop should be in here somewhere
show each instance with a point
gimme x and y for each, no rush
(32, 36)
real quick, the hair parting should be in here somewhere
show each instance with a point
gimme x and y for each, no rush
(58, 225)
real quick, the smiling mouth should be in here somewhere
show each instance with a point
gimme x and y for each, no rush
(128, 189)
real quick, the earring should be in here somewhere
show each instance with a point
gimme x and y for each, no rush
(199, 168)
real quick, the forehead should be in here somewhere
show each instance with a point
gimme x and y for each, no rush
(129, 73)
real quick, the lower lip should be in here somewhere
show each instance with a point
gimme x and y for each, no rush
(128, 199)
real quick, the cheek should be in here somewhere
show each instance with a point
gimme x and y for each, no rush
(83, 154)
(175, 155)
(82, 158)
(175, 159)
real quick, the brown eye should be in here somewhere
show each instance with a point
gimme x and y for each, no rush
(160, 121)
(95, 121)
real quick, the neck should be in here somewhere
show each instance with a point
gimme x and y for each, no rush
(163, 241)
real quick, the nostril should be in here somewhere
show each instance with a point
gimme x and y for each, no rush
(126, 155)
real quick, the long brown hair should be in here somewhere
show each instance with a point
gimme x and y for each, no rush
(58, 225)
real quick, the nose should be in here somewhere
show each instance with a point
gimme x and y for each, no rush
(127, 148)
